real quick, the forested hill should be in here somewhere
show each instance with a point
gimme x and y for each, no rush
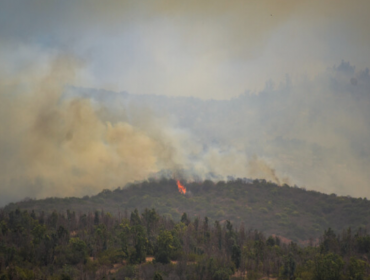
(290, 212)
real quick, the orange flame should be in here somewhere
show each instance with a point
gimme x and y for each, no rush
(182, 189)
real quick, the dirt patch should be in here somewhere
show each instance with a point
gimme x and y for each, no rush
(239, 274)
(283, 239)
(313, 242)
(116, 267)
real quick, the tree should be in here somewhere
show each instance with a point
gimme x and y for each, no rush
(150, 218)
(236, 254)
(222, 274)
(62, 232)
(289, 267)
(53, 219)
(4, 228)
(330, 242)
(124, 236)
(270, 241)
(184, 219)
(135, 218)
(33, 215)
(356, 269)
(207, 234)
(164, 247)
(328, 267)
(157, 276)
(101, 235)
(218, 234)
(78, 250)
(138, 254)
(96, 218)
(38, 233)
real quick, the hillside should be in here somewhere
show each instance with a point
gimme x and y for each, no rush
(290, 212)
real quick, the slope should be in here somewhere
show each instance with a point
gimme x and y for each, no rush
(286, 211)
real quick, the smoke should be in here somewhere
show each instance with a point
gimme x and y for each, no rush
(68, 141)
(59, 147)
(57, 144)
(313, 130)
(259, 168)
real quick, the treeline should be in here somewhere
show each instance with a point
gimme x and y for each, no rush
(149, 246)
(291, 212)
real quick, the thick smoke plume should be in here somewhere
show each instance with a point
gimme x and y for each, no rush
(59, 147)
(55, 144)
(313, 132)
(61, 140)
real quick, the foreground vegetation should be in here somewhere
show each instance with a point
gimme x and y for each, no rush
(286, 211)
(100, 246)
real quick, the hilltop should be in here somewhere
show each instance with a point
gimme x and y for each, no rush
(290, 212)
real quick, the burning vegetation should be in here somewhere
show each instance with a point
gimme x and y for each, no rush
(182, 189)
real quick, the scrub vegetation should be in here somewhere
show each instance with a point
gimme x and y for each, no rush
(291, 212)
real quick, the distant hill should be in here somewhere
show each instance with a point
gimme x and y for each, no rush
(290, 212)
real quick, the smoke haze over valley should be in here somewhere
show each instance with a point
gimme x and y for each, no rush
(109, 94)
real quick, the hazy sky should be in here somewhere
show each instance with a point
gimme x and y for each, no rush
(209, 49)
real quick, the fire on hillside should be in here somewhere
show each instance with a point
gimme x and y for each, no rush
(182, 189)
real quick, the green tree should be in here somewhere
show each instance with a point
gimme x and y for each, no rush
(77, 250)
(33, 214)
(65, 276)
(135, 218)
(328, 267)
(62, 233)
(53, 219)
(222, 274)
(329, 243)
(96, 218)
(218, 234)
(124, 236)
(4, 228)
(356, 269)
(101, 235)
(164, 247)
(157, 276)
(138, 253)
(150, 219)
(270, 241)
(38, 233)
(236, 254)
(184, 219)
(289, 267)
